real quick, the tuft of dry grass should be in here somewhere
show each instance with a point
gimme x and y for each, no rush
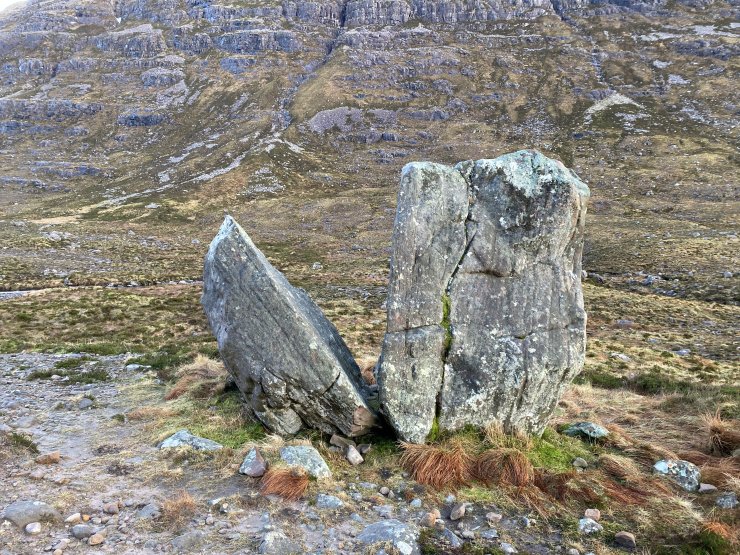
(150, 413)
(620, 467)
(200, 379)
(648, 453)
(506, 466)
(722, 473)
(696, 457)
(443, 466)
(724, 436)
(555, 484)
(624, 494)
(496, 437)
(729, 533)
(288, 483)
(178, 510)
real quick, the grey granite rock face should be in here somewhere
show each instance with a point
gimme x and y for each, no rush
(184, 438)
(285, 356)
(401, 536)
(685, 474)
(307, 458)
(22, 513)
(485, 308)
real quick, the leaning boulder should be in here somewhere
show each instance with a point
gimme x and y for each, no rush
(286, 358)
(485, 308)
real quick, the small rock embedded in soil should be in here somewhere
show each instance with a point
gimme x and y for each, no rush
(324, 501)
(353, 456)
(184, 438)
(96, 539)
(401, 536)
(306, 457)
(578, 462)
(82, 531)
(707, 488)
(593, 514)
(430, 518)
(587, 430)
(49, 458)
(625, 539)
(254, 464)
(73, 518)
(727, 500)
(589, 526)
(458, 511)
(33, 528)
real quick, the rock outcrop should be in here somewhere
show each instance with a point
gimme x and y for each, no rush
(485, 309)
(286, 358)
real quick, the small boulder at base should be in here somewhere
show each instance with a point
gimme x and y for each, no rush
(685, 474)
(307, 458)
(286, 358)
(589, 526)
(183, 438)
(485, 314)
(401, 536)
(727, 500)
(587, 430)
(625, 539)
(275, 542)
(254, 464)
(23, 513)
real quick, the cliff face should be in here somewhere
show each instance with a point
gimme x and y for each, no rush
(188, 107)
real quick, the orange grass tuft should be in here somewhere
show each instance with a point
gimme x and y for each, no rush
(724, 531)
(444, 466)
(696, 457)
(619, 467)
(200, 379)
(506, 466)
(625, 494)
(289, 483)
(720, 472)
(177, 511)
(554, 484)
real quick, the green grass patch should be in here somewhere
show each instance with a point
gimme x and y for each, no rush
(600, 378)
(22, 441)
(71, 362)
(556, 452)
(94, 375)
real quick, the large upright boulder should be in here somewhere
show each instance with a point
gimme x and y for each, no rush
(485, 308)
(285, 356)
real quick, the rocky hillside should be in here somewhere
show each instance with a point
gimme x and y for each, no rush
(297, 117)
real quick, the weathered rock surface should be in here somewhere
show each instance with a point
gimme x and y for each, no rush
(401, 536)
(307, 458)
(685, 474)
(254, 464)
(22, 513)
(485, 307)
(286, 358)
(183, 438)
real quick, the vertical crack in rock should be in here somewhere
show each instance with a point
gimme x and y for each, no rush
(287, 359)
(507, 330)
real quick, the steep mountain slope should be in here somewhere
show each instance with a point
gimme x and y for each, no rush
(128, 127)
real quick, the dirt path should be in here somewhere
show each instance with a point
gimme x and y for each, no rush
(108, 459)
